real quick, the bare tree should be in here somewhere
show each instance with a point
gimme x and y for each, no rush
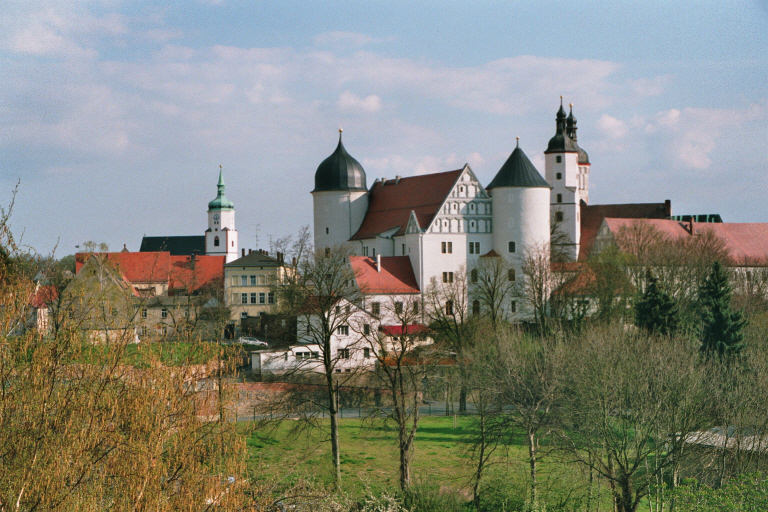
(324, 296)
(403, 361)
(624, 410)
(492, 287)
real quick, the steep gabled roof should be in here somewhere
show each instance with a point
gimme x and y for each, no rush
(592, 217)
(179, 272)
(746, 243)
(396, 275)
(176, 245)
(390, 203)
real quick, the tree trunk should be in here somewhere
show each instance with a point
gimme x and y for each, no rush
(463, 398)
(532, 449)
(480, 462)
(333, 412)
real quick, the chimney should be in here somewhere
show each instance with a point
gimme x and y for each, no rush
(668, 208)
(243, 252)
(378, 263)
(690, 225)
(397, 180)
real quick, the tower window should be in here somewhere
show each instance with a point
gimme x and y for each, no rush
(559, 159)
(559, 176)
(473, 275)
(511, 274)
(513, 307)
(216, 241)
(512, 247)
(559, 198)
(326, 231)
(558, 216)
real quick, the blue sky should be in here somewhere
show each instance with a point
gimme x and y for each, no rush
(115, 116)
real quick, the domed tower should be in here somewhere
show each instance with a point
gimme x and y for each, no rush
(340, 198)
(566, 167)
(221, 235)
(520, 202)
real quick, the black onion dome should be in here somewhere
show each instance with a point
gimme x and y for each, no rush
(340, 171)
(583, 156)
(571, 129)
(562, 142)
(518, 171)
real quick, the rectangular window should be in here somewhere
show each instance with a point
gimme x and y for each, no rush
(144, 313)
(271, 298)
(415, 308)
(343, 353)
(165, 331)
(366, 353)
(243, 315)
(403, 250)
(398, 308)
(253, 298)
(559, 159)
(447, 277)
(559, 175)
(513, 306)
(342, 330)
(558, 216)
(243, 298)
(262, 298)
(449, 308)
(511, 246)
(367, 329)
(163, 313)
(474, 247)
(511, 274)
(253, 280)
(243, 280)
(375, 308)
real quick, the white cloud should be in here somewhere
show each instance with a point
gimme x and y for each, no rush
(611, 127)
(342, 39)
(350, 101)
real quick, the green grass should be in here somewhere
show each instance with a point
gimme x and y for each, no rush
(370, 459)
(167, 353)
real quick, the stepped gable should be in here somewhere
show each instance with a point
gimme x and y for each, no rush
(390, 203)
(396, 275)
(592, 217)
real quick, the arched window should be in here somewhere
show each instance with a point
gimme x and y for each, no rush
(473, 275)
(216, 242)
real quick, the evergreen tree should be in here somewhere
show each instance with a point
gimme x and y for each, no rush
(722, 327)
(656, 311)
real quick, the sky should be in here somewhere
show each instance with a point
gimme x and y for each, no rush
(116, 115)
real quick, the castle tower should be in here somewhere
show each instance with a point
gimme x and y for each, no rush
(520, 203)
(221, 235)
(340, 198)
(566, 168)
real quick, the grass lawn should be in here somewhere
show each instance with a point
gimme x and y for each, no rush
(370, 460)
(167, 353)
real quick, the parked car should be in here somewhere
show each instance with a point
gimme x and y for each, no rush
(247, 340)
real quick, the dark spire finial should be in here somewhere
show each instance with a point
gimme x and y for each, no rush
(340, 130)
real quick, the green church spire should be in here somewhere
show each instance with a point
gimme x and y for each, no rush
(221, 202)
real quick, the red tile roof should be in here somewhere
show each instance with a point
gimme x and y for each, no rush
(43, 296)
(746, 243)
(592, 217)
(160, 267)
(396, 275)
(397, 330)
(390, 204)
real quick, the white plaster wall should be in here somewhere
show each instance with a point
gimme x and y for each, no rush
(341, 212)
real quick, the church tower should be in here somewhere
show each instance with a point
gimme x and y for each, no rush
(566, 168)
(221, 235)
(340, 198)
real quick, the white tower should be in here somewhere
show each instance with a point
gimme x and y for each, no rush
(340, 198)
(221, 235)
(520, 205)
(566, 167)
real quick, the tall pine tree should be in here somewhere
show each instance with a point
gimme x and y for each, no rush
(721, 332)
(656, 311)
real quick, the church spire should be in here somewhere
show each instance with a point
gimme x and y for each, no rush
(221, 201)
